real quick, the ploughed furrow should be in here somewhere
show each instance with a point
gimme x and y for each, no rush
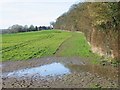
(14, 47)
(23, 44)
(35, 54)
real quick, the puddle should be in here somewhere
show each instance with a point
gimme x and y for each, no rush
(102, 71)
(1, 64)
(56, 68)
(52, 69)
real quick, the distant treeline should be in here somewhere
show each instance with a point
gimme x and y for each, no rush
(19, 28)
(99, 21)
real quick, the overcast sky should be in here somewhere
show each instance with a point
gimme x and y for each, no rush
(36, 12)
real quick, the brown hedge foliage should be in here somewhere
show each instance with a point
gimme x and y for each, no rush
(99, 21)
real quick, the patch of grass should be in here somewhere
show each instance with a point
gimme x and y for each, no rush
(94, 61)
(76, 46)
(110, 61)
(97, 86)
(115, 63)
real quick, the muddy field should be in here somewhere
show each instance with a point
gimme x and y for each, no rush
(58, 72)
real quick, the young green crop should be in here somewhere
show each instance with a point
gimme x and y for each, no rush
(24, 46)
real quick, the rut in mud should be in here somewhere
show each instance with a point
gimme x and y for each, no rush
(66, 72)
(57, 52)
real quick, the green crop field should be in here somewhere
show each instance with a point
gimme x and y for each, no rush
(28, 45)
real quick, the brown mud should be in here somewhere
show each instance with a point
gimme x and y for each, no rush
(58, 72)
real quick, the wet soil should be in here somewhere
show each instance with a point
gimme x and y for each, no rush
(58, 72)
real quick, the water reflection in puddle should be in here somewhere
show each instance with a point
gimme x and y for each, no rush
(49, 69)
(0, 65)
(102, 71)
(55, 68)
